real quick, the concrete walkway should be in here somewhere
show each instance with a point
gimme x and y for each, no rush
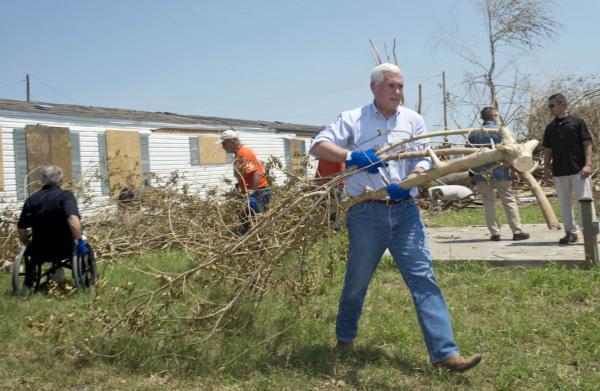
(473, 243)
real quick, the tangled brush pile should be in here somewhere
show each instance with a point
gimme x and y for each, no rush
(224, 272)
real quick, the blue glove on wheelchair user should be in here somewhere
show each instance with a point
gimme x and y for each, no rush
(252, 201)
(82, 245)
(366, 158)
(397, 192)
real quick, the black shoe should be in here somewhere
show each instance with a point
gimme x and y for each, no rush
(495, 238)
(569, 238)
(521, 236)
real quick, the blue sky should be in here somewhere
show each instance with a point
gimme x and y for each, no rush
(301, 61)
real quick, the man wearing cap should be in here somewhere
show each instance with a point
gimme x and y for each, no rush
(250, 175)
(393, 223)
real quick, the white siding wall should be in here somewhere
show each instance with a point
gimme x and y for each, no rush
(9, 192)
(90, 166)
(168, 153)
(171, 152)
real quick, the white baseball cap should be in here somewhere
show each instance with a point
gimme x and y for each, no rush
(227, 135)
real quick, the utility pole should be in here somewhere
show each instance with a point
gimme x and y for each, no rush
(445, 101)
(445, 106)
(27, 86)
(420, 104)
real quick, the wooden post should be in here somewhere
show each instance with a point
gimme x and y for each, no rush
(590, 231)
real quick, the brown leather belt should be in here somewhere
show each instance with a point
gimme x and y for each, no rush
(389, 202)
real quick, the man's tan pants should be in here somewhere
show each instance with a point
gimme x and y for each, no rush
(511, 210)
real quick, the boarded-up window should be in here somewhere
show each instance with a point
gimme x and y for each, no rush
(47, 145)
(210, 150)
(205, 149)
(124, 158)
(295, 151)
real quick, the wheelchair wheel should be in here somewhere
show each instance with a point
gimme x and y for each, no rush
(25, 274)
(84, 269)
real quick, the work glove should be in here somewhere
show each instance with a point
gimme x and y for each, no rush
(397, 192)
(366, 158)
(81, 244)
(252, 201)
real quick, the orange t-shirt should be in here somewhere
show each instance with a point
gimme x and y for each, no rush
(327, 168)
(244, 165)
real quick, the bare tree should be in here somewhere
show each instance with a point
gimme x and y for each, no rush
(511, 27)
(517, 24)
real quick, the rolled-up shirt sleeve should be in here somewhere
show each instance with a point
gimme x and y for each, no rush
(69, 204)
(338, 133)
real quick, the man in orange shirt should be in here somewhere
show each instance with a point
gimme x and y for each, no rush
(326, 171)
(250, 175)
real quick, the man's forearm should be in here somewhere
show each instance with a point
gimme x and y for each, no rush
(587, 145)
(329, 151)
(75, 226)
(547, 159)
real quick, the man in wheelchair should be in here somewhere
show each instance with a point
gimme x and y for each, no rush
(53, 216)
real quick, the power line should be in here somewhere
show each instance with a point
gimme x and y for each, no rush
(51, 88)
(14, 83)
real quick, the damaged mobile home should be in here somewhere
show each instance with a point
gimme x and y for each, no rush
(112, 149)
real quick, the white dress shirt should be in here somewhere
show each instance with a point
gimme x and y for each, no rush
(364, 128)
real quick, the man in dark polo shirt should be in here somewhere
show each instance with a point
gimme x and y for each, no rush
(53, 217)
(568, 152)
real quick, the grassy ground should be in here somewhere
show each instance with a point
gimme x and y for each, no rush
(538, 329)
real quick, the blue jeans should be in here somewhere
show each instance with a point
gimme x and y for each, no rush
(263, 198)
(373, 228)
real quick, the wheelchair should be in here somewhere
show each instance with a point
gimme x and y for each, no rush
(28, 273)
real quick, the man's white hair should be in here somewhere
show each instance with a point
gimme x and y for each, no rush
(378, 72)
(51, 175)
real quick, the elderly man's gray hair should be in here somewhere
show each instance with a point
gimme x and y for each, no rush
(379, 71)
(51, 175)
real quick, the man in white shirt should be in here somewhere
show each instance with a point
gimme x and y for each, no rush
(394, 223)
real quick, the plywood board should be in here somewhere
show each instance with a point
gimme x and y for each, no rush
(124, 158)
(297, 153)
(210, 151)
(47, 145)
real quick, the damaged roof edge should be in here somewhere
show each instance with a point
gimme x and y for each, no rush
(134, 118)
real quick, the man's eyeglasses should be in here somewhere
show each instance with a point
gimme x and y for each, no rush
(551, 105)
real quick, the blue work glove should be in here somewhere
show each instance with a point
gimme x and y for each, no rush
(81, 245)
(397, 192)
(252, 201)
(366, 158)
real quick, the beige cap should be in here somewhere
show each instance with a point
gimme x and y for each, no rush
(227, 135)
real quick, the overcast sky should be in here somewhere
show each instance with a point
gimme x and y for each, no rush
(300, 61)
